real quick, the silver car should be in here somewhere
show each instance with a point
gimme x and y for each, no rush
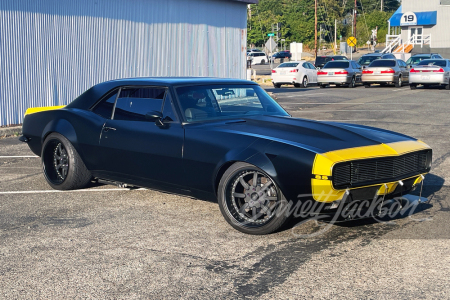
(386, 71)
(339, 72)
(430, 72)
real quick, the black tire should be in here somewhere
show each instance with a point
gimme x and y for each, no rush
(322, 86)
(383, 84)
(413, 86)
(352, 83)
(238, 191)
(63, 167)
(263, 62)
(447, 87)
(399, 82)
(338, 85)
(297, 85)
(304, 82)
(276, 85)
(367, 85)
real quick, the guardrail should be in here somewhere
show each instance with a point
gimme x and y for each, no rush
(395, 41)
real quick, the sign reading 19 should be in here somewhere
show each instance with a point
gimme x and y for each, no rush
(409, 18)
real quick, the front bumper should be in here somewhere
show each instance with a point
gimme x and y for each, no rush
(427, 78)
(334, 79)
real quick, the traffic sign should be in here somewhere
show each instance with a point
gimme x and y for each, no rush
(271, 34)
(351, 41)
(271, 45)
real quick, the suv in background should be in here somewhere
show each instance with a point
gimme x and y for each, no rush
(281, 54)
(322, 60)
(417, 58)
(257, 57)
(367, 59)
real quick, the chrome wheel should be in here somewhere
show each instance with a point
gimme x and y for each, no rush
(305, 82)
(253, 197)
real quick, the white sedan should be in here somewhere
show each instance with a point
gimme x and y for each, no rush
(298, 73)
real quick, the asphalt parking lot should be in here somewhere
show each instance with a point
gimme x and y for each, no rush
(109, 243)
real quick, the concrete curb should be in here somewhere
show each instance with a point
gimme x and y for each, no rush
(10, 131)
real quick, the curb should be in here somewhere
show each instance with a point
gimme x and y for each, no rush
(10, 131)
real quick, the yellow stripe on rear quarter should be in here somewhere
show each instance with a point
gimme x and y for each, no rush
(33, 110)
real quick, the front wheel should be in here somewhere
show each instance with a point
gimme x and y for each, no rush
(63, 167)
(250, 201)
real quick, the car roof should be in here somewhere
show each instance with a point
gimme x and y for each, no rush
(373, 54)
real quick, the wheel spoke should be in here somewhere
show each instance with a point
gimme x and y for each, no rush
(253, 212)
(255, 179)
(238, 195)
(265, 187)
(244, 184)
(270, 198)
(57, 156)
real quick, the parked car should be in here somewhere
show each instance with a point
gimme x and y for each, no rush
(339, 72)
(281, 54)
(367, 59)
(417, 58)
(386, 71)
(430, 72)
(322, 60)
(219, 139)
(258, 58)
(298, 73)
(253, 50)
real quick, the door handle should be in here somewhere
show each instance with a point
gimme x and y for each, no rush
(106, 129)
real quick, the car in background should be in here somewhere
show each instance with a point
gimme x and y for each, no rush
(339, 72)
(430, 72)
(281, 54)
(386, 71)
(298, 73)
(417, 58)
(367, 59)
(322, 60)
(258, 58)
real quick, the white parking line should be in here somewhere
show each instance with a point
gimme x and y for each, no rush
(19, 156)
(73, 191)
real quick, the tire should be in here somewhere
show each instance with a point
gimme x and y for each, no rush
(399, 82)
(352, 84)
(297, 85)
(447, 87)
(244, 203)
(276, 85)
(338, 85)
(62, 166)
(367, 85)
(305, 82)
(322, 86)
(263, 62)
(412, 86)
(383, 84)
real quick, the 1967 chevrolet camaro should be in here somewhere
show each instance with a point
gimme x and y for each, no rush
(218, 138)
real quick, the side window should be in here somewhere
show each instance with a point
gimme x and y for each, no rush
(134, 103)
(311, 66)
(305, 65)
(105, 107)
(168, 111)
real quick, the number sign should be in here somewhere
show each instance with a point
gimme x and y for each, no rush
(408, 19)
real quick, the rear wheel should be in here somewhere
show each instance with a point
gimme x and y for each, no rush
(250, 201)
(322, 86)
(367, 85)
(297, 85)
(63, 167)
(399, 82)
(447, 87)
(263, 62)
(276, 85)
(352, 83)
(338, 85)
(413, 86)
(305, 82)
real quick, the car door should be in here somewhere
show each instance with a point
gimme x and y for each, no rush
(307, 71)
(313, 72)
(404, 69)
(357, 69)
(137, 149)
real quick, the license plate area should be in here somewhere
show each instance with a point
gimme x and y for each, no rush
(331, 73)
(425, 77)
(377, 72)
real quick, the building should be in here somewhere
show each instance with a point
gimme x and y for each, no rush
(424, 26)
(53, 50)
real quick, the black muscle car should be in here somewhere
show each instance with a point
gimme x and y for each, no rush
(218, 139)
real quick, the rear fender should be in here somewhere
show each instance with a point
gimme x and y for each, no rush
(63, 127)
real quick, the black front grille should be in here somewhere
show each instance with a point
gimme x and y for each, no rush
(380, 170)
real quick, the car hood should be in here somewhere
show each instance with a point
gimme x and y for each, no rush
(319, 137)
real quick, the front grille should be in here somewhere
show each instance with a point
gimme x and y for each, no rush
(380, 170)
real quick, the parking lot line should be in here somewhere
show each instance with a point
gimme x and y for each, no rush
(19, 156)
(71, 191)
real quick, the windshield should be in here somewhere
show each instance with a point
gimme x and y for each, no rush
(415, 60)
(336, 65)
(430, 62)
(366, 60)
(340, 58)
(322, 60)
(212, 102)
(288, 65)
(382, 63)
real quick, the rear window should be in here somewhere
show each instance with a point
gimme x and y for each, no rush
(427, 62)
(416, 59)
(288, 65)
(340, 58)
(366, 60)
(337, 64)
(382, 63)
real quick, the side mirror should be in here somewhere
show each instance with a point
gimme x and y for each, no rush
(155, 116)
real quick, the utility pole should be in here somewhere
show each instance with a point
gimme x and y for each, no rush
(315, 27)
(381, 5)
(335, 36)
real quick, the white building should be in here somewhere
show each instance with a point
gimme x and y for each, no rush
(423, 26)
(53, 50)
